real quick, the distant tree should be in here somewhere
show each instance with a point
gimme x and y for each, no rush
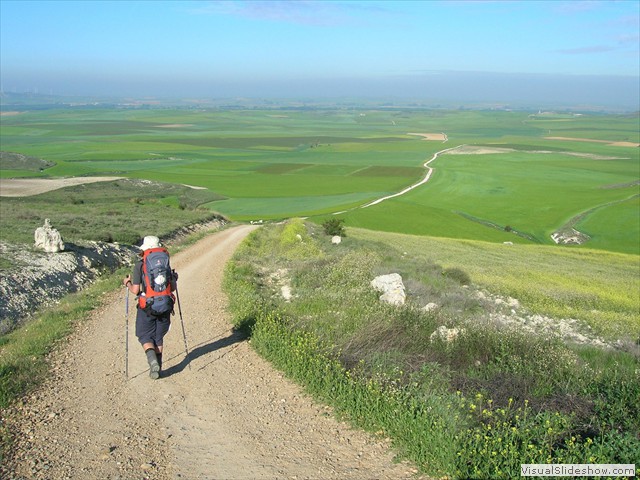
(334, 226)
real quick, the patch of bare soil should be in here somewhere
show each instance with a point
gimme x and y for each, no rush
(474, 150)
(608, 142)
(220, 413)
(9, 113)
(24, 187)
(484, 150)
(431, 136)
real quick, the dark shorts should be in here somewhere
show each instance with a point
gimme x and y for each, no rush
(151, 329)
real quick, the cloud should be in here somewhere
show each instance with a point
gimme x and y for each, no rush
(628, 39)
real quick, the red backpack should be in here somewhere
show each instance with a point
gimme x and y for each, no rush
(156, 298)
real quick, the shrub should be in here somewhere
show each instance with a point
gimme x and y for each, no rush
(458, 275)
(247, 302)
(334, 226)
(104, 237)
(296, 242)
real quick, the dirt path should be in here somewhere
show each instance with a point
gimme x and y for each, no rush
(224, 414)
(415, 185)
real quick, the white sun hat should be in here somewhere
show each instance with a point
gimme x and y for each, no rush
(150, 242)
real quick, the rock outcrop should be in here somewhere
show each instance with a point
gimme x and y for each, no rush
(48, 238)
(570, 236)
(43, 279)
(391, 287)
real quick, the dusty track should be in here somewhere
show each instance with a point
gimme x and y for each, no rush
(222, 414)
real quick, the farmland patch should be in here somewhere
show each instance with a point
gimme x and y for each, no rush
(431, 136)
(591, 140)
(18, 161)
(332, 169)
(264, 162)
(280, 168)
(635, 183)
(25, 187)
(290, 142)
(283, 207)
(381, 171)
(486, 150)
(478, 150)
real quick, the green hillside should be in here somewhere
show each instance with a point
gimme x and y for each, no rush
(524, 355)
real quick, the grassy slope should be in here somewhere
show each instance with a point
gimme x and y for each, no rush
(122, 211)
(535, 194)
(474, 408)
(594, 286)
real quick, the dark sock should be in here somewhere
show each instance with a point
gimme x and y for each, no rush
(159, 356)
(151, 356)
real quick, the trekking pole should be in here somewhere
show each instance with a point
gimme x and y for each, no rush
(184, 335)
(126, 334)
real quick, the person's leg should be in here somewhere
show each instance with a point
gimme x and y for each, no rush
(145, 331)
(163, 324)
(154, 364)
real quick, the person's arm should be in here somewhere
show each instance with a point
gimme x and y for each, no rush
(133, 288)
(134, 284)
(174, 280)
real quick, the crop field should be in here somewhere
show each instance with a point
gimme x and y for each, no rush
(516, 177)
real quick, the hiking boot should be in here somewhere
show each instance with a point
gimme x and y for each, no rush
(154, 366)
(154, 371)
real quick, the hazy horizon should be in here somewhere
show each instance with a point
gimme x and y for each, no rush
(522, 52)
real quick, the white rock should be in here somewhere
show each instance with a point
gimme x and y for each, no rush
(285, 290)
(48, 238)
(445, 334)
(430, 307)
(392, 288)
(394, 297)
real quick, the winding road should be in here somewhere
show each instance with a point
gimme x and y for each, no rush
(415, 185)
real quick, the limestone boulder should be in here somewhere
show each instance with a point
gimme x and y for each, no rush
(391, 287)
(48, 238)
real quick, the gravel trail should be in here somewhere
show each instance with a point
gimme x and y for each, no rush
(223, 413)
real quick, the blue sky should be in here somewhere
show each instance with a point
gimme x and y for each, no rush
(432, 49)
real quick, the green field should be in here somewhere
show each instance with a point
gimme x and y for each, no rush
(273, 164)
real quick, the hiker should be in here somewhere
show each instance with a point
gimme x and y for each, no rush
(155, 305)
